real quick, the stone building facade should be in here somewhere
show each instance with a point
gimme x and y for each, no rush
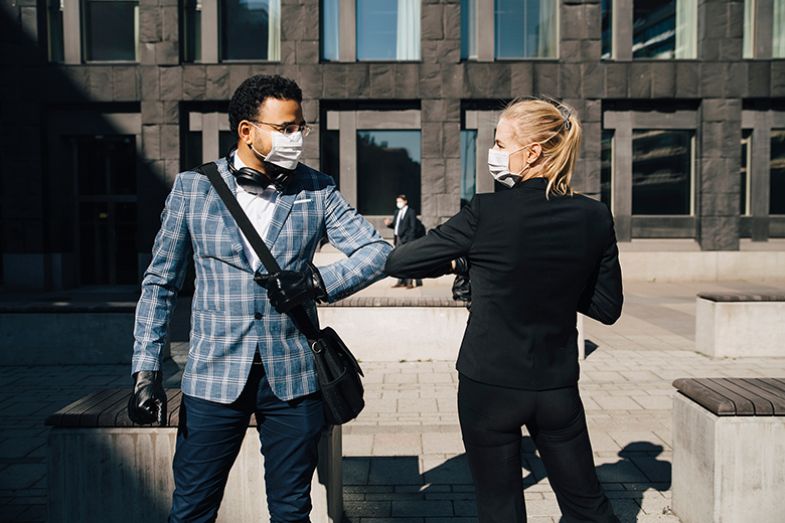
(52, 233)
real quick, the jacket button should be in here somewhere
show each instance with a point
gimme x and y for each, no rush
(257, 316)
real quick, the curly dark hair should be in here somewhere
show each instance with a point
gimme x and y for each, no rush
(255, 90)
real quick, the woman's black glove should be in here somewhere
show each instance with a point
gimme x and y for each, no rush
(462, 287)
(288, 289)
(147, 403)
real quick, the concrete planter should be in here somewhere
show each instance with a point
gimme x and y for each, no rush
(727, 468)
(740, 326)
(124, 475)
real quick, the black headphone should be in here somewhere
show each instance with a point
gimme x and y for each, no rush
(275, 175)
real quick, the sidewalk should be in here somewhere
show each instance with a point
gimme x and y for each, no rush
(403, 457)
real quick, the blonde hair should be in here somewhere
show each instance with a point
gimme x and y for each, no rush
(556, 127)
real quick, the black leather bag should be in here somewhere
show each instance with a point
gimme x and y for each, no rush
(337, 369)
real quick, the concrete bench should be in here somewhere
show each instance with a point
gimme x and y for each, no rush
(67, 333)
(729, 450)
(740, 325)
(103, 468)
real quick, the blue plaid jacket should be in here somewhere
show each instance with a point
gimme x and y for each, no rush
(231, 315)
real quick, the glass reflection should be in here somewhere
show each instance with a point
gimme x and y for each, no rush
(777, 172)
(525, 29)
(111, 30)
(661, 172)
(664, 29)
(388, 164)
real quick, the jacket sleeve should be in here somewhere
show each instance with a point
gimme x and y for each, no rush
(162, 281)
(351, 234)
(408, 225)
(430, 255)
(603, 297)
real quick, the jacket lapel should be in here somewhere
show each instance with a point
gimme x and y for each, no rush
(229, 222)
(283, 206)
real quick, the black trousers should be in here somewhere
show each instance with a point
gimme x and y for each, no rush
(491, 419)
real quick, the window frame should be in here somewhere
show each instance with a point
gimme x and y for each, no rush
(628, 225)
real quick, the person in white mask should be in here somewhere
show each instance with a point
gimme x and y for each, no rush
(536, 253)
(246, 355)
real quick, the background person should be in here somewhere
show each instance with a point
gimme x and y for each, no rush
(404, 225)
(537, 254)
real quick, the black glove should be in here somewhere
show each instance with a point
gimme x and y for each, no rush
(461, 267)
(147, 403)
(288, 289)
(462, 286)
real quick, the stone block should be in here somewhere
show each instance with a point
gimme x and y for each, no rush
(307, 52)
(721, 110)
(736, 81)
(152, 112)
(663, 80)
(616, 79)
(335, 78)
(431, 22)
(713, 79)
(310, 80)
(382, 81)
(758, 79)
(167, 53)
(170, 142)
(430, 80)
(746, 329)
(217, 82)
(720, 203)
(710, 50)
(573, 22)
(149, 24)
(293, 22)
(453, 176)
(640, 80)
(570, 51)
(238, 73)
(570, 81)
(433, 175)
(194, 82)
(452, 21)
(147, 53)
(715, 21)
(719, 233)
(731, 49)
(593, 81)
(407, 81)
(170, 28)
(289, 52)
(448, 51)
(717, 175)
(546, 79)
(726, 468)
(688, 80)
(452, 139)
(171, 83)
(712, 140)
(592, 131)
(358, 80)
(432, 140)
(101, 82)
(447, 205)
(125, 83)
(452, 81)
(133, 464)
(151, 142)
(483, 80)
(777, 78)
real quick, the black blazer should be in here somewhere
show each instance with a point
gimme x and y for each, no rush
(408, 227)
(534, 262)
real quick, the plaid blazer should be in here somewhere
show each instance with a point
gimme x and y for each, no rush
(231, 315)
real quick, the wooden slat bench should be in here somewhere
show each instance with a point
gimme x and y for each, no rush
(103, 468)
(736, 325)
(729, 450)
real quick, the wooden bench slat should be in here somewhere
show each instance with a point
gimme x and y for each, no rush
(57, 418)
(709, 399)
(103, 418)
(81, 417)
(744, 407)
(773, 394)
(761, 406)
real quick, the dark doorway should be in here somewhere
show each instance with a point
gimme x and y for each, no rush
(105, 168)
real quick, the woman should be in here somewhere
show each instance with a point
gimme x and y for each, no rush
(536, 254)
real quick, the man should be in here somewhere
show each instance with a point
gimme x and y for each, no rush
(246, 356)
(404, 223)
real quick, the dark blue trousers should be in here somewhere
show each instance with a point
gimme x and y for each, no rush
(209, 438)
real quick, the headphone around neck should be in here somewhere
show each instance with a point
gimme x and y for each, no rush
(275, 175)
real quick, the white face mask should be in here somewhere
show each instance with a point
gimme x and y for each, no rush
(499, 167)
(285, 151)
(400, 205)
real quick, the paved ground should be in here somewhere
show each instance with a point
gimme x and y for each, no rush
(404, 458)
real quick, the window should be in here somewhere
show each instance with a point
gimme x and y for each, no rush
(231, 30)
(606, 168)
(111, 30)
(54, 17)
(388, 164)
(468, 165)
(777, 172)
(661, 172)
(744, 192)
(207, 138)
(764, 29)
(521, 29)
(381, 30)
(649, 29)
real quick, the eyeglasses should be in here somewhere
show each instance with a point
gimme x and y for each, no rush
(289, 129)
